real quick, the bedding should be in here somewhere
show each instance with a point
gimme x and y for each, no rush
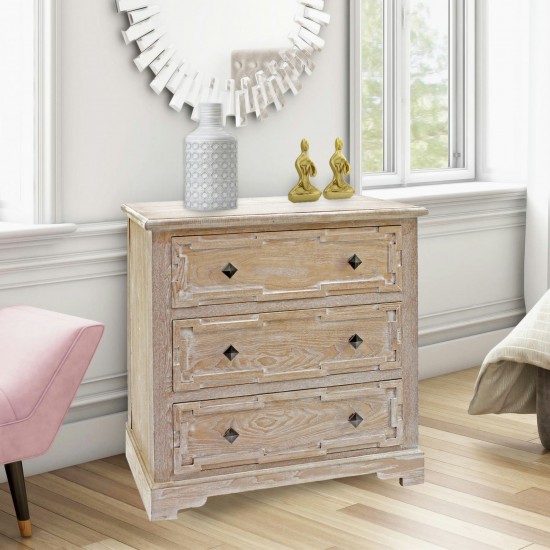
(507, 380)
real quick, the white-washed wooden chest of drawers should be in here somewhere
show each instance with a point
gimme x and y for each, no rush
(272, 345)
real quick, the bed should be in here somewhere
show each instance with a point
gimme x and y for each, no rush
(515, 375)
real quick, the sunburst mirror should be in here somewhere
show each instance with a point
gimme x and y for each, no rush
(163, 30)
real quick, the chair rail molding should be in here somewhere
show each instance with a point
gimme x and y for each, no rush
(92, 251)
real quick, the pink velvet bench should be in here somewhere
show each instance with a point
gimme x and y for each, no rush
(43, 358)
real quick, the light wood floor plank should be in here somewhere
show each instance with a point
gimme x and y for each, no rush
(487, 486)
(428, 533)
(111, 472)
(519, 475)
(432, 517)
(101, 484)
(118, 460)
(224, 529)
(55, 524)
(277, 525)
(518, 529)
(494, 481)
(482, 434)
(507, 510)
(310, 506)
(10, 544)
(41, 539)
(496, 495)
(103, 521)
(438, 439)
(163, 534)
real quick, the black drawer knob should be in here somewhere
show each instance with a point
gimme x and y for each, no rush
(355, 419)
(229, 270)
(231, 435)
(356, 341)
(355, 261)
(231, 353)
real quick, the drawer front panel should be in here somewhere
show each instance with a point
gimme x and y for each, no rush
(285, 265)
(288, 426)
(272, 347)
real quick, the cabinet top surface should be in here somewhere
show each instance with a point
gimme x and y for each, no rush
(269, 211)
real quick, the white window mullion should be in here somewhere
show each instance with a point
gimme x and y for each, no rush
(17, 111)
(28, 112)
(454, 89)
(356, 146)
(45, 180)
(405, 92)
(393, 143)
(469, 88)
(390, 96)
(457, 114)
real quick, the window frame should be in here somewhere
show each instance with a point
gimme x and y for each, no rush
(39, 197)
(396, 58)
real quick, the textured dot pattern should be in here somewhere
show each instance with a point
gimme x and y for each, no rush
(211, 174)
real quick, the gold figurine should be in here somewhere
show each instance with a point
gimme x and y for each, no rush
(339, 188)
(304, 191)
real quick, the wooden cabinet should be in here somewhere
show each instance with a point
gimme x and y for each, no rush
(273, 345)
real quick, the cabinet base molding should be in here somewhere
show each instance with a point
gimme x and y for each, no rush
(163, 500)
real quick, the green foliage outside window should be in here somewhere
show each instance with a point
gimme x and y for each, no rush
(372, 85)
(429, 87)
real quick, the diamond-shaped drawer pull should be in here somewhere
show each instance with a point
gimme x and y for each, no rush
(231, 353)
(231, 435)
(355, 261)
(355, 419)
(356, 341)
(229, 270)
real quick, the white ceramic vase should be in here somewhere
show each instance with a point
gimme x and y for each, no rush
(211, 176)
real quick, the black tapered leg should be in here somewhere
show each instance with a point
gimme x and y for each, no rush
(16, 481)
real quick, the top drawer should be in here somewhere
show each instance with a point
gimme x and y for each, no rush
(254, 267)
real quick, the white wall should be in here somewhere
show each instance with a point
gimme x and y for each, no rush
(503, 46)
(119, 142)
(537, 257)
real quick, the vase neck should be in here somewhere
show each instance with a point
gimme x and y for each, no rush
(210, 115)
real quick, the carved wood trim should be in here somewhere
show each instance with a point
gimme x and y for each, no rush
(289, 426)
(285, 265)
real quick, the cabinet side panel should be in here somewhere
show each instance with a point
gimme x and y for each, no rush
(140, 352)
(162, 356)
(410, 334)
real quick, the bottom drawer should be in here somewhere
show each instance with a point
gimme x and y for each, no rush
(288, 426)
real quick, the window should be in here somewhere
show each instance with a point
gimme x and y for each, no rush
(413, 96)
(27, 110)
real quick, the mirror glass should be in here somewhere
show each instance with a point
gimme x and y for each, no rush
(205, 32)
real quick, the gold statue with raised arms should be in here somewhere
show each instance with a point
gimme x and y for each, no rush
(339, 188)
(304, 191)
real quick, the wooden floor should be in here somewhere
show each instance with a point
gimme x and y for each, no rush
(487, 486)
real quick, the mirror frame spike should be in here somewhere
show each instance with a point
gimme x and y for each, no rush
(189, 87)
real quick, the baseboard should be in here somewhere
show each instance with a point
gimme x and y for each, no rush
(79, 442)
(459, 354)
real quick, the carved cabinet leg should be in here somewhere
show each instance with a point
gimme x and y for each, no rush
(414, 478)
(543, 406)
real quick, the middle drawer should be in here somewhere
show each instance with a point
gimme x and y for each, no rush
(283, 346)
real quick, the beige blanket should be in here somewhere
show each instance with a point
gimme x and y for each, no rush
(506, 381)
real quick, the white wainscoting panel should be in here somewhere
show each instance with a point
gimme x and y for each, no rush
(459, 354)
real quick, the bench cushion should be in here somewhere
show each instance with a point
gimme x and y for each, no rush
(43, 358)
